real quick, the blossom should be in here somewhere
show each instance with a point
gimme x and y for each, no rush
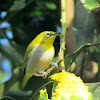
(69, 86)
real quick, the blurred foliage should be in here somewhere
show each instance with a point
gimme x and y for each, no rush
(27, 18)
(7, 98)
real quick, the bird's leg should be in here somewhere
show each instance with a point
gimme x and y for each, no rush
(42, 73)
(54, 64)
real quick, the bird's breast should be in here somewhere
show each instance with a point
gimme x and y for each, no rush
(39, 58)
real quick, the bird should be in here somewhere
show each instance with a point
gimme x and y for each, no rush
(39, 54)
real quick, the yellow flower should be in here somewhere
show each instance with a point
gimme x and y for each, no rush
(70, 85)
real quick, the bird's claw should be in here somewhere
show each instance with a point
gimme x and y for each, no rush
(54, 64)
(43, 73)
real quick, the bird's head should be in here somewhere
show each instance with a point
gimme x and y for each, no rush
(48, 36)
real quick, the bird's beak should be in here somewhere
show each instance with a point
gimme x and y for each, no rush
(56, 34)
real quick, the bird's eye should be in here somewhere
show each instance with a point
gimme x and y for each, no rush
(47, 34)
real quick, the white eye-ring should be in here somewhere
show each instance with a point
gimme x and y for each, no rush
(47, 34)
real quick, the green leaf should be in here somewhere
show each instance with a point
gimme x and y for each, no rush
(91, 86)
(35, 13)
(36, 95)
(50, 5)
(84, 25)
(73, 97)
(19, 4)
(95, 89)
(83, 28)
(53, 99)
(71, 57)
(90, 4)
(43, 95)
(7, 98)
(53, 89)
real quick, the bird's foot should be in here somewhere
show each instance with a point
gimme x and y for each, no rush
(45, 74)
(54, 64)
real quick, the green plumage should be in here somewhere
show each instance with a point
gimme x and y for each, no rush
(38, 55)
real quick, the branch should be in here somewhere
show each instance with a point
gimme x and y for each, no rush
(62, 39)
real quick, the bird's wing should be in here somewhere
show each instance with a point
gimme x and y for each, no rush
(26, 58)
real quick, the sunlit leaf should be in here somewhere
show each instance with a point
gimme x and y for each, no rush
(90, 4)
(43, 95)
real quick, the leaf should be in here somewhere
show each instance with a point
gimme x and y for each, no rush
(43, 95)
(95, 89)
(83, 29)
(90, 4)
(50, 5)
(73, 97)
(84, 25)
(7, 98)
(18, 5)
(37, 93)
(53, 89)
(71, 57)
(53, 99)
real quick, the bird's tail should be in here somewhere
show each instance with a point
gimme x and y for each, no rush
(26, 78)
(24, 82)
